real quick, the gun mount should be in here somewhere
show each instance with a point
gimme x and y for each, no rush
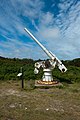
(48, 65)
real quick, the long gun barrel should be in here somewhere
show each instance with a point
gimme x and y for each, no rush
(50, 54)
(42, 47)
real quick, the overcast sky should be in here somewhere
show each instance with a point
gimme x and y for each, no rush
(55, 23)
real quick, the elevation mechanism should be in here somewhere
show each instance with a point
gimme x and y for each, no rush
(47, 65)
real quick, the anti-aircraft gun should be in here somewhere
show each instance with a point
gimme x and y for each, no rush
(47, 65)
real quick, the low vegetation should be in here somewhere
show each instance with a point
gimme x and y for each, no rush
(9, 68)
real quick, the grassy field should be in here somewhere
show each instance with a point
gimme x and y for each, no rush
(39, 104)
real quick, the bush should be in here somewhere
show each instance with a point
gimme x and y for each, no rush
(9, 68)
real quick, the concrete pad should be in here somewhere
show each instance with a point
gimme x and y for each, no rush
(40, 83)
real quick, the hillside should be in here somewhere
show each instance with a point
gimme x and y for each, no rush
(9, 68)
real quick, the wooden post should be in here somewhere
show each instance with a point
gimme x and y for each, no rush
(22, 79)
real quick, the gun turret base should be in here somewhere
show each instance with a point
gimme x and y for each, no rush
(47, 79)
(47, 76)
